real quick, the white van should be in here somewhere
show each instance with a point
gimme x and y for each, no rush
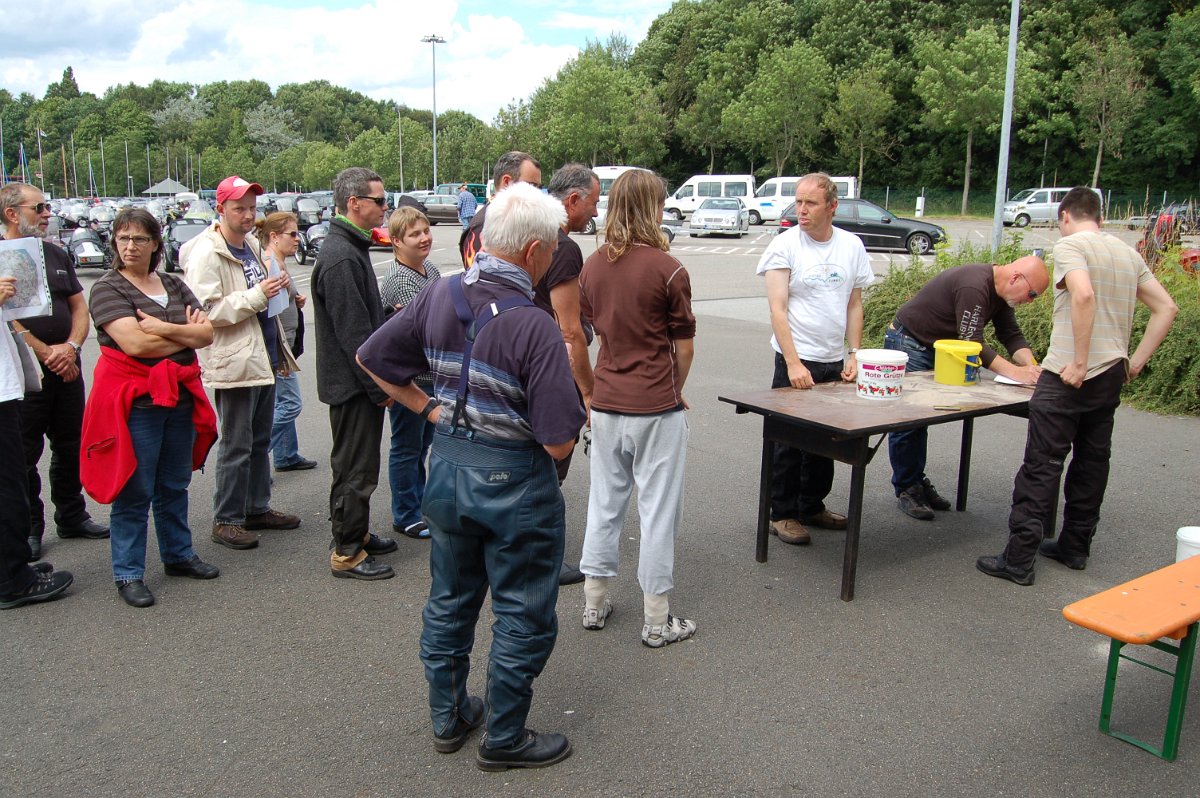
(774, 195)
(1037, 206)
(609, 174)
(698, 188)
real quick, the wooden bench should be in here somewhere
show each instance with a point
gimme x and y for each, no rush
(1165, 603)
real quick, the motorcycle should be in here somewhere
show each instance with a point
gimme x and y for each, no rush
(316, 236)
(301, 248)
(87, 249)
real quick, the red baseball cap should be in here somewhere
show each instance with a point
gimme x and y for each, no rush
(234, 187)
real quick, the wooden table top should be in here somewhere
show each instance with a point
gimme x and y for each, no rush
(835, 407)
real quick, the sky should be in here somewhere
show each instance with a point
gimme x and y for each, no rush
(495, 52)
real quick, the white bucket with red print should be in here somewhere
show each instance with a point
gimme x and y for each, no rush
(880, 373)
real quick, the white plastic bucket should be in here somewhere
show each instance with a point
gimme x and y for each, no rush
(880, 373)
(1187, 542)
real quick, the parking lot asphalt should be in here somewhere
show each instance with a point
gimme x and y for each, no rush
(276, 679)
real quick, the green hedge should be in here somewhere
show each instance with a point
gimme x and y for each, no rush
(1170, 384)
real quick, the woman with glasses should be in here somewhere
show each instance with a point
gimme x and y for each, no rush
(411, 435)
(280, 237)
(148, 423)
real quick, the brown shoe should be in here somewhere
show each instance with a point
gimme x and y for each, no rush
(234, 536)
(789, 530)
(826, 519)
(272, 520)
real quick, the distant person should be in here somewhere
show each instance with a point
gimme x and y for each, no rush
(411, 272)
(224, 268)
(639, 299)
(958, 303)
(506, 408)
(55, 412)
(280, 237)
(511, 167)
(467, 205)
(815, 274)
(1098, 281)
(348, 309)
(149, 399)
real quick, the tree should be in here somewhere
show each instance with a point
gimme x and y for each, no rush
(1109, 91)
(858, 119)
(271, 129)
(780, 112)
(178, 116)
(963, 86)
(66, 89)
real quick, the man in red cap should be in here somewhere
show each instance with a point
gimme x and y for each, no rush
(225, 269)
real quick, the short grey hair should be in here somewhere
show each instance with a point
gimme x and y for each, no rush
(10, 197)
(572, 178)
(518, 215)
(352, 182)
(510, 164)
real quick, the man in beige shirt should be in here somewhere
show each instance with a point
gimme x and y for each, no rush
(1098, 281)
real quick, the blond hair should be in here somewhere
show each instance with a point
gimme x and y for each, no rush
(635, 213)
(402, 219)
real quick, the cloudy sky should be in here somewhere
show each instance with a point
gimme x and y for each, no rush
(495, 51)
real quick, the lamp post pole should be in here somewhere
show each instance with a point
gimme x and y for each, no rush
(433, 40)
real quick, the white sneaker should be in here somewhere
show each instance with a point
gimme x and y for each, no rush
(594, 618)
(674, 630)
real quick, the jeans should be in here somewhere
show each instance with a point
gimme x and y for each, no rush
(496, 518)
(15, 575)
(907, 450)
(802, 480)
(162, 441)
(243, 470)
(285, 445)
(54, 413)
(1063, 419)
(411, 438)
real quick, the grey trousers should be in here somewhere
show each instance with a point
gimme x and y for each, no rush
(243, 455)
(357, 427)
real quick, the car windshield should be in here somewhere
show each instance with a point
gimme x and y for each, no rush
(720, 205)
(1020, 196)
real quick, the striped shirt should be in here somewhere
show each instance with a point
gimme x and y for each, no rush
(400, 287)
(1115, 270)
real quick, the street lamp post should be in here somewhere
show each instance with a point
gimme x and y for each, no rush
(433, 40)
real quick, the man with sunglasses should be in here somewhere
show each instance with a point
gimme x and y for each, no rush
(56, 411)
(959, 303)
(348, 309)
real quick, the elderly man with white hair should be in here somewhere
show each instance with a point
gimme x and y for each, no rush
(506, 408)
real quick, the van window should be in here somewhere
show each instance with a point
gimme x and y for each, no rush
(1040, 197)
(768, 190)
(789, 190)
(1060, 194)
(843, 188)
(708, 189)
(683, 193)
(737, 189)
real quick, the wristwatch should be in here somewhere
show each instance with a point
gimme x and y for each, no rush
(853, 350)
(430, 406)
(76, 347)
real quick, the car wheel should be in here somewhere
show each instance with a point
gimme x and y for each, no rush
(755, 218)
(675, 214)
(1021, 221)
(591, 227)
(920, 244)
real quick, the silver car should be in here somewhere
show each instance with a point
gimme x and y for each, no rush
(720, 216)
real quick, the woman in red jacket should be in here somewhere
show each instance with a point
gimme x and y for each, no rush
(148, 325)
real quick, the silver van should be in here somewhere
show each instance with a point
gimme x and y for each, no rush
(1036, 206)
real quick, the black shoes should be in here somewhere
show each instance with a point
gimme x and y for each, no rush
(194, 568)
(1076, 562)
(534, 751)
(49, 584)
(469, 719)
(35, 548)
(367, 569)
(302, 464)
(378, 545)
(135, 593)
(997, 567)
(913, 503)
(569, 575)
(88, 529)
(934, 499)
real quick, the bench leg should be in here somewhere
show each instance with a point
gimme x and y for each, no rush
(1179, 694)
(1110, 685)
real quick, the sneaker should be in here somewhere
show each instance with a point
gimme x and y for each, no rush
(47, 585)
(1051, 549)
(934, 499)
(594, 618)
(912, 503)
(789, 530)
(272, 520)
(826, 519)
(303, 464)
(674, 630)
(534, 751)
(997, 567)
(233, 536)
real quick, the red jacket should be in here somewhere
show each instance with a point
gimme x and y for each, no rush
(106, 456)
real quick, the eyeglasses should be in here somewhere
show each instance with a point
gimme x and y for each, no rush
(137, 241)
(38, 208)
(1032, 294)
(293, 234)
(380, 201)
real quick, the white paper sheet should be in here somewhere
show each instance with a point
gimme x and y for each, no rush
(278, 303)
(24, 259)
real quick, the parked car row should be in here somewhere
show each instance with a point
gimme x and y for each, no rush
(878, 228)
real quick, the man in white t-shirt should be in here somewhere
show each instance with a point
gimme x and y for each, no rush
(815, 274)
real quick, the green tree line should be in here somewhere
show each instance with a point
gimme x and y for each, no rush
(903, 93)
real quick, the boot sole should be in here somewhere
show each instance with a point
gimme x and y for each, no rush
(230, 545)
(363, 577)
(497, 765)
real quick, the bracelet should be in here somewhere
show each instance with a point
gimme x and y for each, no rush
(429, 408)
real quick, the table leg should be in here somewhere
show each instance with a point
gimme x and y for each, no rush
(964, 464)
(766, 474)
(858, 475)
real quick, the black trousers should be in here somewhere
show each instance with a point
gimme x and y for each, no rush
(15, 575)
(54, 413)
(802, 480)
(1064, 420)
(357, 427)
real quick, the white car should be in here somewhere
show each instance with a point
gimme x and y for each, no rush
(720, 216)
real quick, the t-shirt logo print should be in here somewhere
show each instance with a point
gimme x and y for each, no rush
(824, 277)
